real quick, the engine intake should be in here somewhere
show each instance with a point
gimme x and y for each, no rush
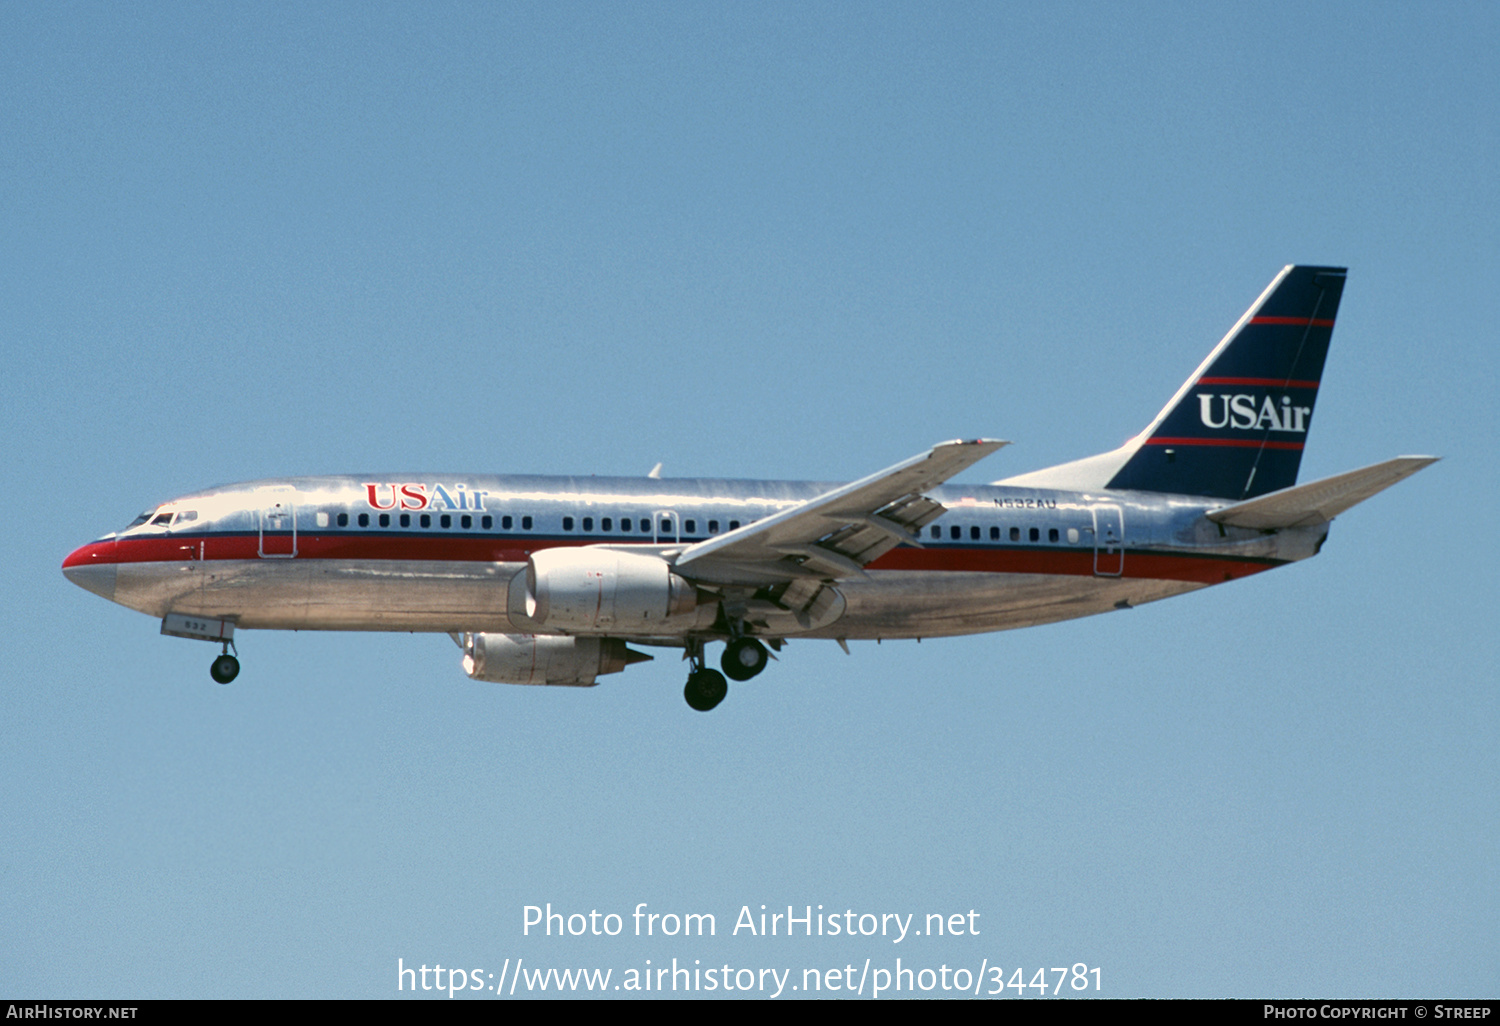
(542, 659)
(603, 590)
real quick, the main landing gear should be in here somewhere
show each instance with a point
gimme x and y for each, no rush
(225, 668)
(743, 658)
(705, 689)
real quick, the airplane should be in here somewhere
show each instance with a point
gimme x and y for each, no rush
(549, 580)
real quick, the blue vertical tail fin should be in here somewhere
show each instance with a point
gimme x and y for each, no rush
(1236, 427)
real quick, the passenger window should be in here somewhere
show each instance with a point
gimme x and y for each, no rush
(734, 525)
(467, 521)
(937, 532)
(1073, 535)
(955, 532)
(607, 524)
(1036, 534)
(994, 534)
(1015, 534)
(506, 523)
(974, 534)
(1052, 534)
(567, 523)
(406, 520)
(385, 520)
(646, 526)
(320, 518)
(525, 523)
(364, 520)
(446, 520)
(487, 523)
(625, 524)
(426, 520)
(690, 526)
(713, 527)
(343, 520)
(588, 523)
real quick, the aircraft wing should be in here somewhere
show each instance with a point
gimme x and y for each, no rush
(1319, 501)
(838, 533)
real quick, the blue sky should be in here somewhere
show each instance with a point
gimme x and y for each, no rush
(766, 240)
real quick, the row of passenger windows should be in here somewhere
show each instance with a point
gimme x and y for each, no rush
(956, 533)
(629, 525)
(423, 520)
(607, 525)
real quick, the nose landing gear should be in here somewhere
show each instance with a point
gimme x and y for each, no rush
(221, 632)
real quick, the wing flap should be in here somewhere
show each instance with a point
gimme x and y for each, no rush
(1319, 501)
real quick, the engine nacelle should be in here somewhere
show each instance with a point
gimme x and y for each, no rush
(542, 659)
(602, 590)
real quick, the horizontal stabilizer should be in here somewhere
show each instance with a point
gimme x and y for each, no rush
(1319, 501)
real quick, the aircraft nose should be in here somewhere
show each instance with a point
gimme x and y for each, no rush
(92, 568)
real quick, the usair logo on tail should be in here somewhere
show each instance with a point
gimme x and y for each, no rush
(1240, 411)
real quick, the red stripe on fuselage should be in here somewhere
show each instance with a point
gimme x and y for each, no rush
(1203, 568)
(92, 554)
(190, 548)
(1162, 566)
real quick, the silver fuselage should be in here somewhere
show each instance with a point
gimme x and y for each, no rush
(441, 552)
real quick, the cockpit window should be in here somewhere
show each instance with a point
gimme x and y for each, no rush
(158, 517)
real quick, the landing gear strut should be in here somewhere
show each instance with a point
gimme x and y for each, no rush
(225, 668)
(705, 688)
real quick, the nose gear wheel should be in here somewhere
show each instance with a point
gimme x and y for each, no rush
(224, 669)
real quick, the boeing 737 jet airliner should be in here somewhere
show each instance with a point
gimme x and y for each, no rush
(547, 580)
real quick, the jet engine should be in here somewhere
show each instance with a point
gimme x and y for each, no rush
(602, 590)
(541, 659)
